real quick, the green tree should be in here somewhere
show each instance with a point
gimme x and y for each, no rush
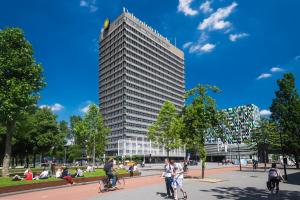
(46, 137)
(166, 129)
(20, 80)
(95, 131)
(199, 118)
(264, 137)
(62, 138)
(74, 120)
(23, 143)
(285, 110)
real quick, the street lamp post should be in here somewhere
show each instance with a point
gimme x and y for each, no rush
(238, 143)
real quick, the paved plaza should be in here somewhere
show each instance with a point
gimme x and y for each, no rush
(232, 184)
(235, 185)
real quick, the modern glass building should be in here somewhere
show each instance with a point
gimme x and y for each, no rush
(138, 71)
(242, 121)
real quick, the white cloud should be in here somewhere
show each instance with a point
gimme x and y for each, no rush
(83, 3)
(187, 45)
(90, 4)
(184, 6)
(235, 37)
(85, 106)
(265, 113)
(265, 75)
(54, 107)
(198, 48)
(276, 69)
(85, 109)
(208, 47)
(216, 21)
(205, 7)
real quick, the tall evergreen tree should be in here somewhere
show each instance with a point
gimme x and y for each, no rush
(20, 81)
(285, 110)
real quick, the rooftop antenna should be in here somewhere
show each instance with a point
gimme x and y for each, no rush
(175, 42)
(124, 9)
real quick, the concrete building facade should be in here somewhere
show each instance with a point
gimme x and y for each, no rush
(138, 71)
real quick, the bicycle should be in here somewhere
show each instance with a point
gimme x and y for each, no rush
(105, 185)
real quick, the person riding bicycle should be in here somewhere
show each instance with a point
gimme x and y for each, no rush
(109, 171)
(274, 177)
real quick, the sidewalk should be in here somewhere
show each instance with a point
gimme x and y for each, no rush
(82, 192)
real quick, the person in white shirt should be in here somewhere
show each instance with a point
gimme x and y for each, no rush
(58, 173)
(79, 172)
(44, 174)
(177, 183)
(167, 174)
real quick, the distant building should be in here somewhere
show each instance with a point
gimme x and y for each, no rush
(138, 70)
(243, 120)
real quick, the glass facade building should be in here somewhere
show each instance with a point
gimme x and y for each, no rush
(138, 71)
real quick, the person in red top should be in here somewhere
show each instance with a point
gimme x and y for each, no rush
(28, 175)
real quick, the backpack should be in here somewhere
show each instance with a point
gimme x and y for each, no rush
(107, 167)
(273, 173)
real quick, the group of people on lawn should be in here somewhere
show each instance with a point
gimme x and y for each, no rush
(61, 172)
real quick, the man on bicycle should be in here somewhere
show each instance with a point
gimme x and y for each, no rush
(274, 177)
(109, 168)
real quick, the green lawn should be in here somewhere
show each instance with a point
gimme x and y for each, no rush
(8, 182)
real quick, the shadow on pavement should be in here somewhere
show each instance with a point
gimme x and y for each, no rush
(251, 193)
(161, 194)
(294, 178)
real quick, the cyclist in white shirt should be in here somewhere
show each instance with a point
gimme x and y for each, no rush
(177, 179)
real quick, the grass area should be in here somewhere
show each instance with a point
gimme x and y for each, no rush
(8, 182)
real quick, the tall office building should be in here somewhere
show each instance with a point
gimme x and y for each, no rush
(138, 70)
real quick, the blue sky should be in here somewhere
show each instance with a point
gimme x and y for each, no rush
(243, 47)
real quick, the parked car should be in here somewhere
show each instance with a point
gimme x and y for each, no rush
(129, 163)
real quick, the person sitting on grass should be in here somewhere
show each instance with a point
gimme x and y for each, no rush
(28, 175)
(78, 173)
(66, 175)
(90, 169)
(58, 173)
(43, 175)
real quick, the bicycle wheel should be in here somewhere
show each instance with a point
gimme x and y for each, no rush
(120, 182)
(102, 186)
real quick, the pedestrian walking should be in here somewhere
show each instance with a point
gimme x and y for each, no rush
(177, 182)
(167, 174)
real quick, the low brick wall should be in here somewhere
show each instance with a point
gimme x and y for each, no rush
(59, 182)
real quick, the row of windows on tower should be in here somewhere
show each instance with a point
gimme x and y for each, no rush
(143, 45)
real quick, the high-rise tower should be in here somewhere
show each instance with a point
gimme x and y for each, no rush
(138, 70)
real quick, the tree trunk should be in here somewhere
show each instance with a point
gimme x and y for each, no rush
(203, 168)
(27, 160)
(34, 159)
(7, 154)
(297, 161)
